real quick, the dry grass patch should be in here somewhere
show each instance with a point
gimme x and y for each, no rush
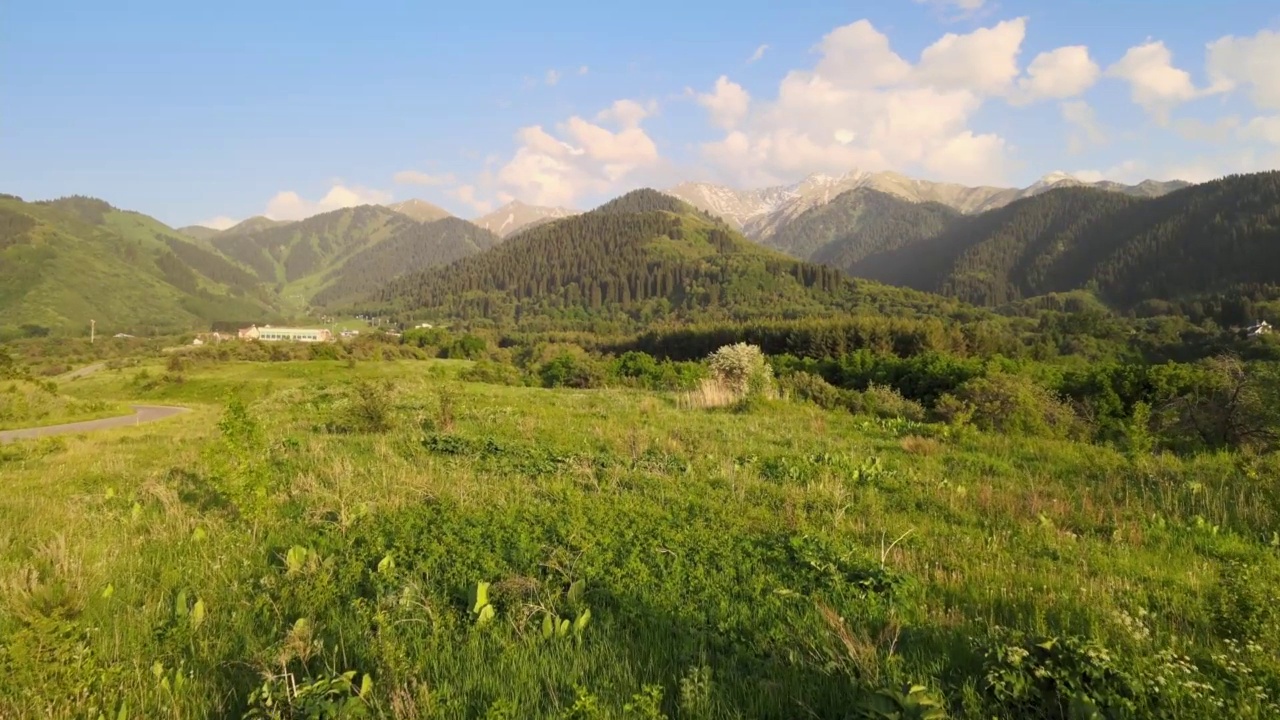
(708, 394)
(918, 445)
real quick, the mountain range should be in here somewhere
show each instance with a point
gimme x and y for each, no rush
(647, 256)
(761, 213)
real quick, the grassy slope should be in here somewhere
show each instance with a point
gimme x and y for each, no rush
(104, 267)
(687, 527)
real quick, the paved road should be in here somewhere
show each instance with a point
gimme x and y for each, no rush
(144, 414)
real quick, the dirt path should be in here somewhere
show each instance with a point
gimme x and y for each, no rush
(84, 371)
(144, 414)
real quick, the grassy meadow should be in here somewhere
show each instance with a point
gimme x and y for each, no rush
(347, 539)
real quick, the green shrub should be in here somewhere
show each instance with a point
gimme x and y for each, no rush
(886, 402)
(467, 347)
(567, 370)
(366, 407)
(637, 369)
(493, 373)
(742, 368)
(1014, 404)
(812, 388)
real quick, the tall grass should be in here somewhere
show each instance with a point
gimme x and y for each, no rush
(733, 565)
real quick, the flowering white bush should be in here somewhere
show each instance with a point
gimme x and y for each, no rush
(742, 368)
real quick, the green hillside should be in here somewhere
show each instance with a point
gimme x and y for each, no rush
(1208, 238)
(344, 254)
(642, 257)
(65, 262)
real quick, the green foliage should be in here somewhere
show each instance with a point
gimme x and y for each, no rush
(1061, 678)
(366, 407)
(813, 388)
(913, 702)
(1016, 404)
(742, 368)
(327, 697)
(886, 402)
(467, 347)
(573, 371)
(493, 373)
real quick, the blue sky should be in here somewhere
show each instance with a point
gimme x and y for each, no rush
(212, 112)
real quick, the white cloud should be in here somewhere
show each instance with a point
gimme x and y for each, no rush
(1062, 73)
(859, 55)
(1085, 130)
(414, 177)
(1264, 129)
(1213, 132)
(1252, 62)
(288, 205)
(965, 7)
(467, 194)
(985, 60)
(553, 77)
(728, 103)
(586, 159)
(222, 222)
(1154, 83)
(627, 113)
(584, 70)
(1128, 171)
(758, 54)
(863, 106)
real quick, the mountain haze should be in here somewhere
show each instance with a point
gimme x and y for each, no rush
(420, 210)
(199, 232)
(516, 216)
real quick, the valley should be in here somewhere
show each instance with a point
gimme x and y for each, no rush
(898, 457)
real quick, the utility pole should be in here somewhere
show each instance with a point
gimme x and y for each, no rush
(93, 327)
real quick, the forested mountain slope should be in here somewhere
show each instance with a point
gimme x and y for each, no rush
(411, 249)
(1203, 239)
(859, 223)
(645, 255)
